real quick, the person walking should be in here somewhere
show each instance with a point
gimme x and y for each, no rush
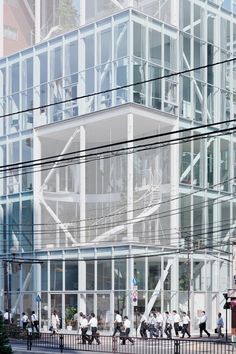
(151, 325)
(143, 327)
(34, 322)
(7, 317)
(168, 325)
(186, 321)
(127, 331)
(93, 323)
(220, 325)
(176, 320)
(159, 324)
(84, 329)
(117, 323)
(55, 322)
(24, 320)
(202, 324)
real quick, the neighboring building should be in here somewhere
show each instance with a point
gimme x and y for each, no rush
(164, 201)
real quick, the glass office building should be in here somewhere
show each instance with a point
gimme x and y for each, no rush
(154, 219)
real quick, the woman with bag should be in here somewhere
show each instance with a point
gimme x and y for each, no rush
(55, 322)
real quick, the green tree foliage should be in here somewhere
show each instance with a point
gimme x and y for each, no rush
(5, 347)
(68, 16)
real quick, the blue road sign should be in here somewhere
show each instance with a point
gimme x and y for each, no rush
(38, 298)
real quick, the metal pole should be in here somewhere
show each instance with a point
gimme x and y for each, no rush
(226, 322)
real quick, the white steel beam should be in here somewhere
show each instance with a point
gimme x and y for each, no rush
(66, 147)
(37, 21)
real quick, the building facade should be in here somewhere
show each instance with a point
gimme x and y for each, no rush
(130, 227)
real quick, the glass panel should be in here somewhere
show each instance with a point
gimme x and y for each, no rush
(120, 39)
(44, 276)
(104, 46)
(104, 315)
(90, 275)
(71, 275)
(56, 304)
(155, 87)
(27, 226)
(154, 272)
(139, 272)
(120, 275)
(56, 275)
(155, 49)
(139, 46)
(224, 164)
(27, 155)
(104, 275)
(71, 310)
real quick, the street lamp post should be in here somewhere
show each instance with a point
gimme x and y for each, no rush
(226, 307)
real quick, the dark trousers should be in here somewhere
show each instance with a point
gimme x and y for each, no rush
(185, 330)
(94, 335)
(24, 325)
(202, 327)
(167, 331)
(152, 330)
(159, 329)
(117, 328)
(85, 338)
(35, 326)
(127, 337)
(176, 327)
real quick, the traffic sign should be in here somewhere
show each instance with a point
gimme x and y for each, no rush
(38, 298)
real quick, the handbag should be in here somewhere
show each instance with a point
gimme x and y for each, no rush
(50, 328)
(216, 330)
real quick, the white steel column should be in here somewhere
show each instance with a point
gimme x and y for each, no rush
(37, 21)
(130, 176)
(82, 185)
(36, 201)
(82, 18)
(1, 29)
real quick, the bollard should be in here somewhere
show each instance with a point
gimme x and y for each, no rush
(61, 343)
(114, 344)
(29, 339)
(176, 347)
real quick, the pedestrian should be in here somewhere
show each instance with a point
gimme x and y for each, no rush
(186, 321)
(84, 329)
(202, 324)
(127, 331)
(159, 324)
(24, 320)
(220, 325)
(143, 327)
(7, 317)
(55, 322)
(34, 322)
(93, 323)
(151, 324)
(176, 320)
(168, 325)
(117, 323)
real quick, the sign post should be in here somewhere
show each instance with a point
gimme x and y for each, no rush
(233, 297)
(38, 300)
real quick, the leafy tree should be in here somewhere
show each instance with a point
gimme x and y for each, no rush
(5, 347)
(68, 15)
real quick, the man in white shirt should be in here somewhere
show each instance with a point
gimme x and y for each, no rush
(93, 323)
(176, 320)
(151, 324)
(127, 331)
(84, 329)
(34, 321)
(24, 320)
(159, 324)
(168, 325)
(117, 323)
(202, 324)
(7, 317)
(186, 321)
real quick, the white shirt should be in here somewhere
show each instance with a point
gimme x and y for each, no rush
(55, 321)
(24, 318)
(176, 318)
(118, 318)
(203, 319)
(7, 315)
(84, 323)
(186, 319)
(126, 323)
(33, 317)
(159, 318)
(151, 320)
(93, 322)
